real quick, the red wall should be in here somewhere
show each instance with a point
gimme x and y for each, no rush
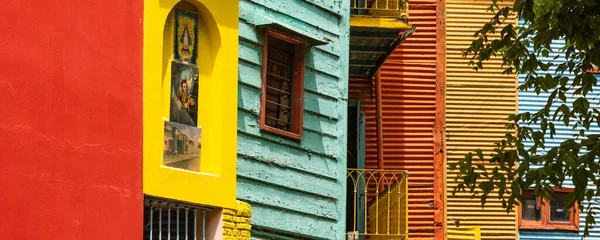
(71, 119)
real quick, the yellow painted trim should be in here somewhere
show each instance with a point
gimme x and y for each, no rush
(215, 184)
(378, 22)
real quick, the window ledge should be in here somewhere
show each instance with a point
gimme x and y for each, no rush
(281, 133)
(563, 227)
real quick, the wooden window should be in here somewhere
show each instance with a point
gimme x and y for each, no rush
(282, 85)
(551, 214)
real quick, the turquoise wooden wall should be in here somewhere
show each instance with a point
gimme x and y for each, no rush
(296, 189)
(529, 101)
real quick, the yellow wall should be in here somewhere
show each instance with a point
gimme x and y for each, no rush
(217, 62)
(477, 107)
(236, 222)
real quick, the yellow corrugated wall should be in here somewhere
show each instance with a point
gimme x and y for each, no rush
(477, 105)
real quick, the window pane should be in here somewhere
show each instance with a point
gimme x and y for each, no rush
(530, 211)
(280, 73)
(558, 212)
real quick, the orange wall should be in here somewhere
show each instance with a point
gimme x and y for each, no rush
(408, 96)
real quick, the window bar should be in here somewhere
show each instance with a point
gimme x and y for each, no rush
(279, 77)
(195, 224)
(203, 224)
(159, 222)
(151, 209)
(186, 222)
(169, 222)
(279, 90)
(271, 61)
(283, 106)
(177, 221)
(277, 120)
(283, 52)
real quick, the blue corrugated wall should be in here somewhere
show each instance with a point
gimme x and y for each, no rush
(296, 189)
(529, 101)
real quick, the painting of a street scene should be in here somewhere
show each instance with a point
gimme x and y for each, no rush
(184, 94)
(182, 146)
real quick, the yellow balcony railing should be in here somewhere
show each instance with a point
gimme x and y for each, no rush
(380, 204)
(380, 8)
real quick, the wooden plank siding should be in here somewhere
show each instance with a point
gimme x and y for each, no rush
(296, 189)
(477, 106)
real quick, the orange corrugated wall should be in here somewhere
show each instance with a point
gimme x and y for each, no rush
(408, 96)
(477, 104)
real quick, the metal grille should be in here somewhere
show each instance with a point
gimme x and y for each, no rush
(280, 72)
(381, 213)
(380, 8)
(164, 219)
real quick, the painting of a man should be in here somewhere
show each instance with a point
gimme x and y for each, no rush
(184, 99)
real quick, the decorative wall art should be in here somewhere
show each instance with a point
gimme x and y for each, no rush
(182, 134)
(182, 146)
(186, 38)
(184, 94)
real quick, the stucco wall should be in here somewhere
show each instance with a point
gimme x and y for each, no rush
(71, 128)
(296, 189)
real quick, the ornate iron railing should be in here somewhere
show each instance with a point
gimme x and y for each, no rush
(380, 204)
(380, 8)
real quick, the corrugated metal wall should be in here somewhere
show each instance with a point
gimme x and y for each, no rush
(530, 102)
(296, 189)
(477, 104)
(408, 96)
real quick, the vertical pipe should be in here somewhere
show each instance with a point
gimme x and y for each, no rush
(379, 121)
(169, 222)
(196, 224)
(187, 211)
(159, 222)
(379, 116)
(177, 221)
(151, 216)
(203, 224)
(439, 129)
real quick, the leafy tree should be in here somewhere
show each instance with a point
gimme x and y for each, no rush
(542, 22)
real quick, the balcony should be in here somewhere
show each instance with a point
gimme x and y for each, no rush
(377, 27)
(377, 204)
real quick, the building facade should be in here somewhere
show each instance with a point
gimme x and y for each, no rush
(291, 160)
(573, 225)
(72, 128)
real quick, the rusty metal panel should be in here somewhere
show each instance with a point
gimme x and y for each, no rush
(477, 106)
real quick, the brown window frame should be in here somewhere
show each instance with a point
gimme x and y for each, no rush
(297, 102)
(545, 223)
